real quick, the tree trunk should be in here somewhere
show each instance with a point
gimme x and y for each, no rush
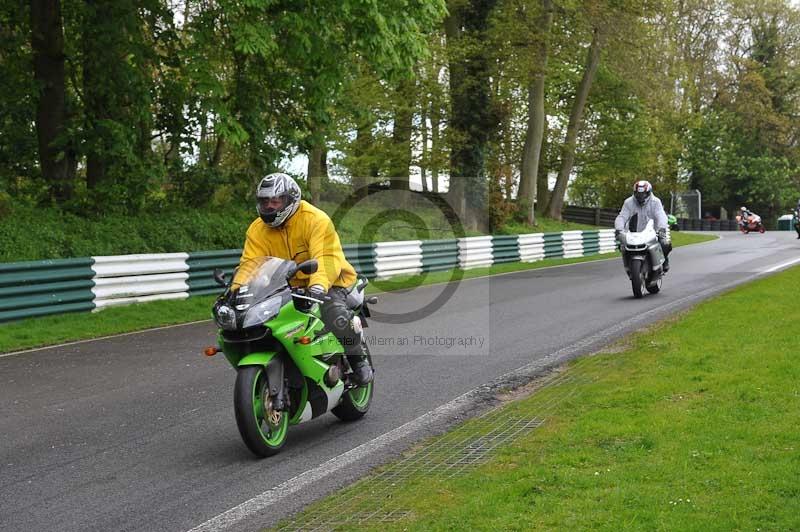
(218, 149)
(95, 90)
(575, 119)
(399, 171)
(471, 119)
(47, 41)
(543, 174)
(363, 170)
(529, 170)
(425, 155)
(317, 167)
(435, 147)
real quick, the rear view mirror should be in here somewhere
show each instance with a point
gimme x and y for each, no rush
(308, 267)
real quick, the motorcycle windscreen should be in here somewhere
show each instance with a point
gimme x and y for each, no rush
(257, 279)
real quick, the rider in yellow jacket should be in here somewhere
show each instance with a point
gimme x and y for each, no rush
(293, 229)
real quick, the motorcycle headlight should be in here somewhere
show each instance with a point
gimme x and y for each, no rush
(225, 318)
(262, 312)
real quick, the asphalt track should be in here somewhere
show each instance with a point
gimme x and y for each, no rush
(137, 432)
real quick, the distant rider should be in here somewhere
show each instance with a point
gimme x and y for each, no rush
(293, 229)
(641, 207)
(797, 219)
(745, 214)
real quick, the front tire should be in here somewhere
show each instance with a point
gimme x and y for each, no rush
(637, 278)
(263, 429)
(356, 401)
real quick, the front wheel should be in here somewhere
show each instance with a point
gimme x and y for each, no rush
(262, 428)
(356, 401)
(761, 229)
(637, 278)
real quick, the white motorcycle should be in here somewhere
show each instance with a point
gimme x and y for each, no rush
(643, 259)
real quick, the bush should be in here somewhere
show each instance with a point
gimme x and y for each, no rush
(29, 233)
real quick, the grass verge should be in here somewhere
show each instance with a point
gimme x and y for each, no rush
(673, 429)
(49, 330)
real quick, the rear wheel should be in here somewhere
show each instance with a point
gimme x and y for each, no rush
(262, 428)
(356, 401)
(637, 278)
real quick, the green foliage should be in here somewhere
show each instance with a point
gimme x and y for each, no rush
(18, 143)
(167, 110)
(29, 233)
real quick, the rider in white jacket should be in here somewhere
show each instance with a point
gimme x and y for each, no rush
(640, 208)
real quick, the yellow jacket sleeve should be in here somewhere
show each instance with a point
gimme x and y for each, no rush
(324, 245)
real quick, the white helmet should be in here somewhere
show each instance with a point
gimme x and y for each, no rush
(277, 185)
(642, 190)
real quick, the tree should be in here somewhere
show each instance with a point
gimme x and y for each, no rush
(535, 133)
(471, 121)
(58, 162)
(575, 120)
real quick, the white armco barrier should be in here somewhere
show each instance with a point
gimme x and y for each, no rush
(607, 241)
(126, 265)
(475, 252)
(123, 279)
(531, 247)
(573, 243)
(398, 258)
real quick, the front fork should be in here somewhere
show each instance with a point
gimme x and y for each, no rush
(276, 386)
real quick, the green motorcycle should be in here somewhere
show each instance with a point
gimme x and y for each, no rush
(290, 368)
(672, 222)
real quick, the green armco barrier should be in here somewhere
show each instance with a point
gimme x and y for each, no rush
(362, 257)
(505, 248)
(553, 245)
(591, 242)
(43, 271)
(34, 312)
(202, 265)
(438, 255)
(40, 288)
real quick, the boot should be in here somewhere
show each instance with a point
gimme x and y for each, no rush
(362, 371)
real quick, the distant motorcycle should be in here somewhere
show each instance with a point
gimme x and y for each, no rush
(753, 223)
(797, 221)
(672, 222)
(643, 259)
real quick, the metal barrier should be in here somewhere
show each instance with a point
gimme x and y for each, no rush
(38, 288)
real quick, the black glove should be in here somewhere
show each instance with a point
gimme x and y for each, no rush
(662, 234)
(316, 291)
(617, 232)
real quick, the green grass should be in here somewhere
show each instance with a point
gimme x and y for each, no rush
(49, 330)
(676, 428)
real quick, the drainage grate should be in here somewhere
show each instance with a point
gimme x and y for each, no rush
(450, 455)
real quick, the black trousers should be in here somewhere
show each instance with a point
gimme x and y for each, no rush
(338, 318)
(666, 246)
